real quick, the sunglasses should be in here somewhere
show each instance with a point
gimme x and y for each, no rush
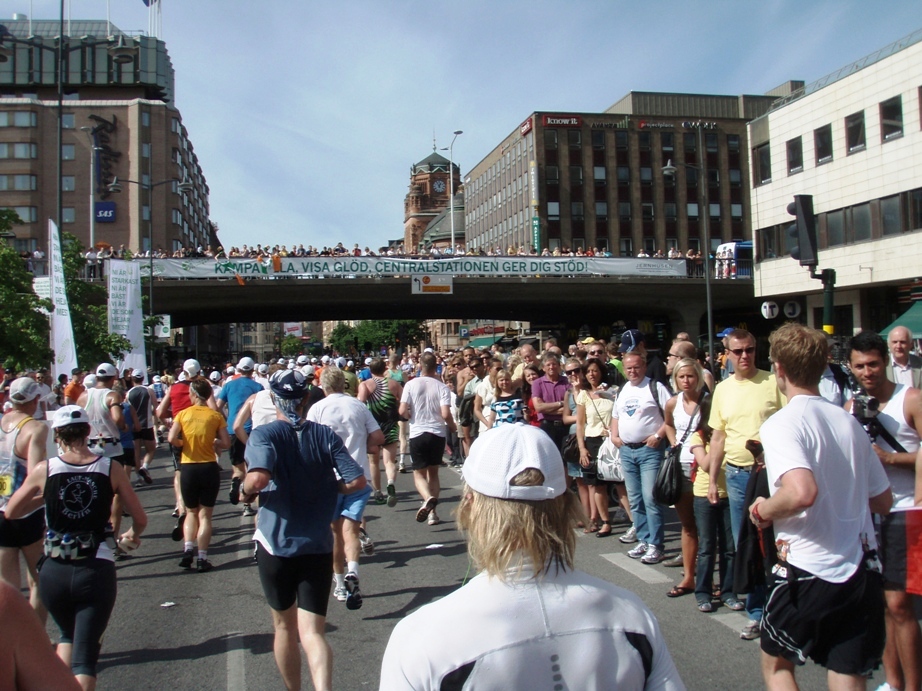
(597, 352)
(749, 350)
(572, 371)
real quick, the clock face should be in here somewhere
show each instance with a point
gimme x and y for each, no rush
(438, 186)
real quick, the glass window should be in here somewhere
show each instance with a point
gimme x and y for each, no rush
(4, 150)
(861, 222)
(550, 139)
(68, 214)
(145, 213)
(762, 163)
(576, 175)
(736, 177)
(624, 175)
(621, 139)
(668, 141)
(553, 210)
(574, 138)
(646, 176)
(598, 173)
(552, 173)
(795, 149)
(736, 210)
(627, 247)
(25, 183)
(67, 183)
(576, 210)
(890, 215)
(733, 143)
(822, 142)
(714, 210)
(68, 152)
(915, 209)
(24, 118)
(835, 229)
(891, 118)
(27, 214)
(601, 210)
(713, 177)
(692, 209)
(644, 141)
(624, 211)
(710, 142)
(598, 139)
(646, 211)
(145, 150)
(854, 132)
(68, 121)
(26, 150)
(669, 211)
(145, 119)
(690, 139)
(691, 177)
(649, 246)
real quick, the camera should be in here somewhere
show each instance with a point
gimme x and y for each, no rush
(865, 408)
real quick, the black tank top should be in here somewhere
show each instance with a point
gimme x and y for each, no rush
(78, 498)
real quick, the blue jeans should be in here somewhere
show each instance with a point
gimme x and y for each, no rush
(640, 467)
(737, 479)
(714, 535)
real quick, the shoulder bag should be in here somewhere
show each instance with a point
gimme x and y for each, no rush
(667, 489)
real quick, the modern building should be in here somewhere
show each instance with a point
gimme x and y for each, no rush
(852, 140)
(120, 120)
(595, 180)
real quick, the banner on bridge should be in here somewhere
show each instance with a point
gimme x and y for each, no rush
(339, 267)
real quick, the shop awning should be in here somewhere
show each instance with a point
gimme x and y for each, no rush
(911, 319)
(484, 341)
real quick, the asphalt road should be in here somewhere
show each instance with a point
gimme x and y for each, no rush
(180, 629)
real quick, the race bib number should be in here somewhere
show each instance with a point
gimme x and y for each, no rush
(6, 485)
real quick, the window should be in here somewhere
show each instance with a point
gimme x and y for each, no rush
(710, 143)
(890, 215)
(68, 152)
(861, 222)
(553, 211)
(646, 176)
(145, 119)
(627, 247)
(690, 139)
(822, 142)
(649, 246)
(177, 217)
(68, 214)
(646, 212)
(576, 210)
(736, 177)
(714, 210)
(174, 125)
(598, 174)
(835, 229)
(713, 177)
(68, 121)
(669, 211)
(624, 175)
(67, 183)
(733, 143)
(644, 141)
(551, 173)
(550, 139)
(915, 209)
(145, 213)
(854, 132)
(28, 214)
(668, 141)
(598, 139)
(576, 175)
(891, 118)
(145, 150)
(624, 211)
(736, 211)
(601, 210)
(691, 177)
(25, 183)
(574, 138)
(24, 118)
(692, 210)
(762, 164)
(621, 140)
(795, 149)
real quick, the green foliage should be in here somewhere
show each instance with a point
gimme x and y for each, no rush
(291, 345)
(342, 338)
(374, 333)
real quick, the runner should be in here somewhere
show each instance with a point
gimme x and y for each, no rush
(382, 396)
(141, 400)
(232, 397)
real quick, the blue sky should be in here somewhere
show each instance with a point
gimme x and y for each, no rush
(306, 116)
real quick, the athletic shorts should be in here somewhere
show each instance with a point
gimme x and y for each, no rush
(352, 505)
(22, 532)
(838, 625)
(891, 540)
(146, 434)
(199, 484)
(126, 459)
(426, 450)
(305, 579)
(237, 449)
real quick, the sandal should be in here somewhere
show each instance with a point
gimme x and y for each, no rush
(593, 527)
(734, 604)
(679, 591)
(605, 531)
(705, 607)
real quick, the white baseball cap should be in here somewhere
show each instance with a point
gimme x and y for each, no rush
(106, 370)
(263, 368)
(230, 370)
(157, 379)
(368, 361)
(89, 381)
(182, 376)
(314, 361)
(282, 361)
(246, 364)
(501, 453)
(215, 376)
(137, 374)
(325, 359)
(24, 389)
(428, 350)
(308, 370)
(302, 360)
(350, 363)
(340, 362)
(291, 364)
(69, 415)
(191, 367)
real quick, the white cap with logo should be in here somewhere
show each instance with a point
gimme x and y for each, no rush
(23, 390)
(191, 367)
(106, 370)
(246, 364)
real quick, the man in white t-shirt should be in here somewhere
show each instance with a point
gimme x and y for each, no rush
(354, 424)
(426, 401)
(826, 592)
(529, 620)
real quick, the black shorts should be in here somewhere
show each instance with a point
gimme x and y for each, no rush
(237, 450)
(126, 458)
(426, 450)
(838, 625)
(146, 434)
(891, 540)
(22, 532)
(199, 484)
(305, 579)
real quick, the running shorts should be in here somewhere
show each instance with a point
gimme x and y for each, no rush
(305, 579)
(199, 484)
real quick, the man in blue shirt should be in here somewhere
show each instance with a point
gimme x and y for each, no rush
(299, 469)
(231, 399)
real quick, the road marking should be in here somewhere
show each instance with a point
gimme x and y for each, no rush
(732, 620)
(645, 573)
(236, 665)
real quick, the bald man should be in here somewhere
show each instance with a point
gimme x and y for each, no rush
(905, 367)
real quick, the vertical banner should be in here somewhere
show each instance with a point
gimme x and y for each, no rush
(62, 331)
(126, 315)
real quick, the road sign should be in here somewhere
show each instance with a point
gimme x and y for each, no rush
(424, 284)
(769, 309)
(792, 309)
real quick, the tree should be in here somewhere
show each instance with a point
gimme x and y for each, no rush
(374, 333)
(24, 331)
(291, 345)
(342, 338)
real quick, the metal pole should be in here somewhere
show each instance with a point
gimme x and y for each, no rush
(60, 58)
(89, 134)
(705, 213)
(451, 191)
(150, 249)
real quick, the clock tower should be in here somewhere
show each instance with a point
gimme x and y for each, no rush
(428, 195)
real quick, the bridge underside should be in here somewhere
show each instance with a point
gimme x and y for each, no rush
(578, 300)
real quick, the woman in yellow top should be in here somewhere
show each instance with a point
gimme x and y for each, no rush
(202, 434)
(713, 523)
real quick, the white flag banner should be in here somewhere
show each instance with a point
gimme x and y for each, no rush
(62, 331)
(126, 314)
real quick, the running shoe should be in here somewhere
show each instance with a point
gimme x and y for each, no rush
(248, 510)
(426, 509)
(340, 593)
(654, 555)
(629, 537)
(391, 496)
(751, 631)
(353, 594)
(434, 519)
(234, 494)
(380, 497)
(638, 551)
(203, 565)
(145, 475)
(674, 561)
(176, 535)
(401, 467)
(368, 547)
(187, 558)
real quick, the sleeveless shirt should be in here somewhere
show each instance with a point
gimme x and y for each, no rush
(78, 499)
(102, 426)
(13, 468)
(902, 478)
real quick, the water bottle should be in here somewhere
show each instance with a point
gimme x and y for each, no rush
(67, 545)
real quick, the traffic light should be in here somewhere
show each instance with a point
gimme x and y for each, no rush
(802, 233)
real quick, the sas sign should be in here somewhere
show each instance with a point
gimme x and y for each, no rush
(105, 212)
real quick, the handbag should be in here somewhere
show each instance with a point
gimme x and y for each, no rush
(667, 489)
(570, 450)
(608, 463)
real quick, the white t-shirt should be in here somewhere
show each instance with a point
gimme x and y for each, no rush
(566, 630)
(426, 396)
(638, 415)
(351, 421)
(812, 433)
(486, 391)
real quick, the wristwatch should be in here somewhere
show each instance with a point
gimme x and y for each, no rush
(657, 436)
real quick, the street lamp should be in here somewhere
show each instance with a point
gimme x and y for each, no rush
(703, 214)
(451, 186)
(93, 150)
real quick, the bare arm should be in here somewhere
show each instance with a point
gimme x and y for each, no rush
(175, 436)
(715, 461)
(243, 416)
(114, 402)
(449, 420)
(478, 410)
(164, 406)
(121, 485)
(882, 503)
(404, 411)
(38, 444)
(668, 415)
(223, 440)
(797, 492)
(375, 439)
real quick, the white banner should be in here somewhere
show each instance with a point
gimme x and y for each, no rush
(126, 314)
(292, 329)
(309, 267)
(62, 331)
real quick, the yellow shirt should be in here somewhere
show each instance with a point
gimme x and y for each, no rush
(200, 426)
(598, 414)
(739, 407)
(702, 481)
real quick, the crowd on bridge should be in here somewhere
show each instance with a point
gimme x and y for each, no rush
(598, 438)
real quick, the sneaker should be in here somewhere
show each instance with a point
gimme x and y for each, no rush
(176, 535)
(402, 467)
(426, 509)
(203, 566)
(391, 496)
(144, 473)
(751, 631)
(234, 494)
(674, 562)
(187, 559)
(248, 510)
(368, 547)
(353, 594)
(638, 550)
(434, 519)
(340, 593)
(380, 498)
(734, 604)
(138, 482)
(654, 555)
(629, 537)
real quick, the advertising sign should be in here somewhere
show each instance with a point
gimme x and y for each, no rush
(105, 212)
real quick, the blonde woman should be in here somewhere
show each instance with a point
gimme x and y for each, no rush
(593, 420)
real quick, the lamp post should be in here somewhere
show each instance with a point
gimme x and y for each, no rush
(703, 214)
(93, 150)
(451, 186)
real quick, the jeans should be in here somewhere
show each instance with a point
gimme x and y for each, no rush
(737, 479)
(714, 535)
(640, 467)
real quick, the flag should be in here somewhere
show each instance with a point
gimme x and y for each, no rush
(240, 280)
(914, 550)
(62, 331)
(126, 315)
